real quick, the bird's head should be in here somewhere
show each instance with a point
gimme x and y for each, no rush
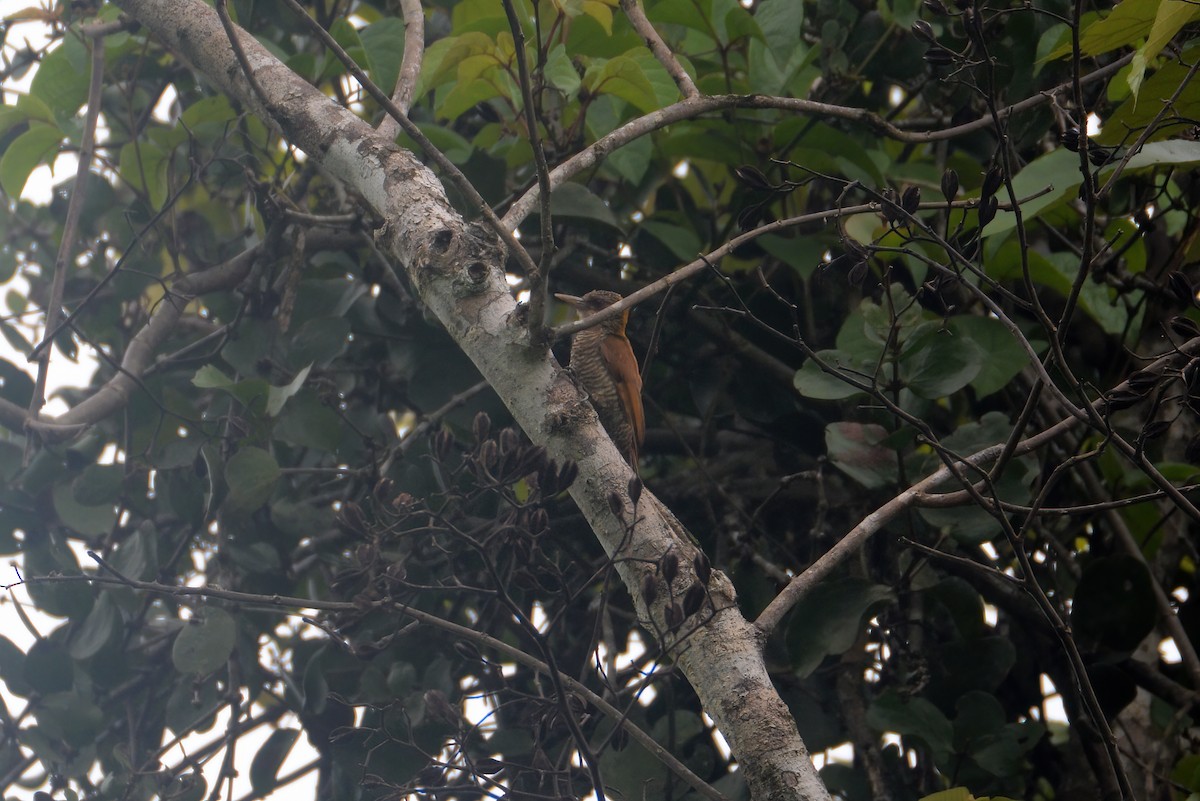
(590, 303)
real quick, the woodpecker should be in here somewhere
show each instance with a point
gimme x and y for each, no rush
(603, 361)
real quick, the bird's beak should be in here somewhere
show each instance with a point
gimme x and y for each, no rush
(570, 300)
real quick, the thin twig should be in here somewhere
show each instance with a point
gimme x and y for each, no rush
(410, 65)
(637, 18)
(66, 246)
(537, 279)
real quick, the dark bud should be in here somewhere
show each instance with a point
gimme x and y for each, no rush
(693, 599)
(567, 475)
(702, 567)
(489, 455)
(938, 57)
(1143, 380)
(987, 210)
(615, 506)
(910, 201)
(384, 490)
(488, 766)
(482, 426)
(1192, 452)
(443, 442)
(1191, 375)
(468, 651)
(1121, 399)
(673, 616)
(753, 178)
(669, 565)
(1155, 429)
(432, 776)
(1180, 287)
(842, 261)
(649, 589)
(968, 244)
(539, 521)
(749, 217)
(547, 479)
(1099, 156)
(352, 518)
(1070, 139)
(509, 440)
(949, 184)
(888, 205)
(439, 708)
(1183, 327)
(635, 489)
(923, 30)
(858, 273)
(936, 8)
(992, 182)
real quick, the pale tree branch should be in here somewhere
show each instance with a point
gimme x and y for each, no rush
(458, 273)
(410, 65)
(921, 493)
(66, 248)
(637, 17)
(698, 106)
(288, 605)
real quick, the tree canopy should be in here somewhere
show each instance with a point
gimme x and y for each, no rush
(914, 291)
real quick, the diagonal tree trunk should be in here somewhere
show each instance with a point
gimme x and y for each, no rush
(458, 271)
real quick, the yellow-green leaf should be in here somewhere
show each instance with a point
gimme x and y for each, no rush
(37, 146)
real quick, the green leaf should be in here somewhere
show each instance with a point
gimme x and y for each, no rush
(319, 341)
(205, 643)
(912, 717)
(98, 484)
(250, 476)
(1171, 153)
(577, 201)
(383, 42)
(1127, 24)
(856, 450)
(1058, 171)
(939, 363)
(84, 519)
(12, 667)
(1119, 626)
(61, 81)
(1005, 356)
(278, 396)
(631, 161)
(37, 146)
(953, 794)
(682, 242)
(210, 377)
(101, 625)
(264, 769)
(623, 77)
(48, 668)
(781, 22)
(829, 620)
(813, 382)
(137, 556)
(16, 386)
(71, 717)
(1131, 117)
(1169, 20)
(560, 72)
